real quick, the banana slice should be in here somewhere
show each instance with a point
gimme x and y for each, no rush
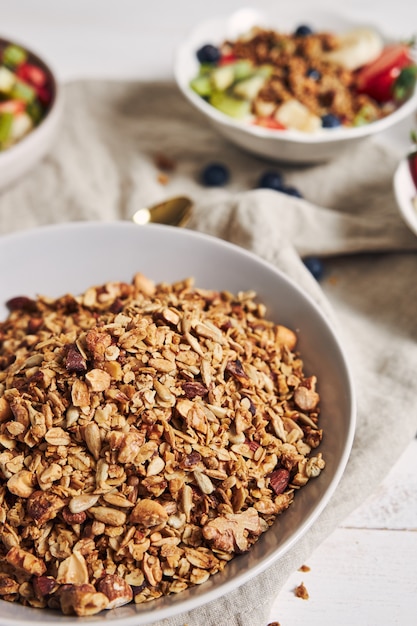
(293, 114)
(357, 47)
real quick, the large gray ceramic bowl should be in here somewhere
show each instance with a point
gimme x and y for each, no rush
(69, 258)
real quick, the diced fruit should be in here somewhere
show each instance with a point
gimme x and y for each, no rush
(405, 84)
(330, 121)
(230, 106)
(21, 125)
(313, 74)
(32, 74)
(315, 266)
(377, 79)
(215, 175)
(44, 95)
(35, 111)
(7, 79)
(222, 77)
(208, 54)
(202, 85)
(12, 106)
(365, 115)
(303, 30)
(357, 48)
(271, 180)
(23, 91)
(6, 121)
(269, 122)
(249, 88)
(295, 115)
(242, 69)
(226, 59)
(14, 55)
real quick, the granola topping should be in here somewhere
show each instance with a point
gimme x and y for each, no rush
(149, 433)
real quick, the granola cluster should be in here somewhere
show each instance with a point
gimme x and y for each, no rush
(301, 72)
(148, 435)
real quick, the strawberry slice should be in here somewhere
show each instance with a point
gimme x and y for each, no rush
(384, 80)
(269, 122)
(227, 59)
(32, 74)
(12, 106)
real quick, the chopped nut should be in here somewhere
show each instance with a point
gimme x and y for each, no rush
(42, 507)
(82, 600)
(108, 515)
(25, 561)
(98, 380)
(77, 504)
(228, 533)
(22, 484)
(116, 589)
(73, 570)
(148, 513)
(301, 592)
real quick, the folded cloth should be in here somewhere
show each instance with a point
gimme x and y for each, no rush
(127, 145)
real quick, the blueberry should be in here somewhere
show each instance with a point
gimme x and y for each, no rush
(291, 191)
(271, 180)
(315, 266)
(303, 30)
(208, 54)
(330, 121)
(314, 74)
(215, 175)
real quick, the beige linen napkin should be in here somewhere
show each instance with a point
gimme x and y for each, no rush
(103, 167)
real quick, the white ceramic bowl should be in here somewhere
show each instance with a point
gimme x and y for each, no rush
(21, 157)
(287, 145)
(406, 195)
(72, 257)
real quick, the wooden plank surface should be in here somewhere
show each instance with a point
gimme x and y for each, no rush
(365, 573)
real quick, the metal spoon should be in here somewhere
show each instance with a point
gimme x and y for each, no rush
(174, 212)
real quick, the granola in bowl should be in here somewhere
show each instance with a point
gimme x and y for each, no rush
(149, 433)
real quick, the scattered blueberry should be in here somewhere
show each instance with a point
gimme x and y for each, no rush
(208, 54)
(315, 266)
(271, 180)
(303, 30)
(215, 175)
(291, 191)
(330, 121)
(314, 74)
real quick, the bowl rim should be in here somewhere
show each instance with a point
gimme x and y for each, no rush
(18, 239)
(53, 112)
(403, 191)
(186, 51)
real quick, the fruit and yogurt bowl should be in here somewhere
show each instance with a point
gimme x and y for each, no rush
(306, 80)
(296, 89)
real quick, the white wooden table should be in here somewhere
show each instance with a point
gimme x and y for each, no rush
(365, 573)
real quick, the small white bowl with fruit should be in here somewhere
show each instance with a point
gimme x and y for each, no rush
(296, 91)
(30, 110)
